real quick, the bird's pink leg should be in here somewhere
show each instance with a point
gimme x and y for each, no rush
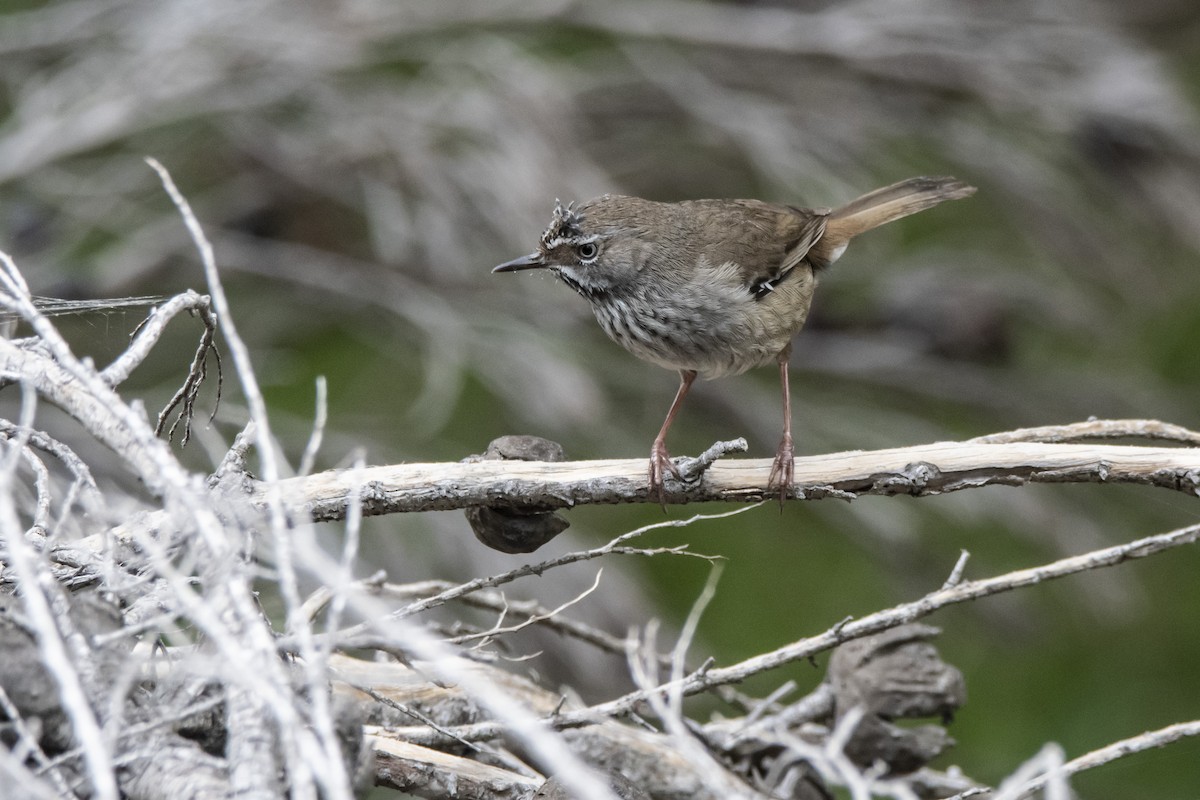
(660, 459)
(782, 470)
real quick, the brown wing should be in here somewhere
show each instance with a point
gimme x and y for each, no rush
(765, 240)
(806, 227)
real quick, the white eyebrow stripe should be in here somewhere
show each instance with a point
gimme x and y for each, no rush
(559, 241)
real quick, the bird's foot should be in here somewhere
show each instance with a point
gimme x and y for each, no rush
(660, 465)
(782, 469)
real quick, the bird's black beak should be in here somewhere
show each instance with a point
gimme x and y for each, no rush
(531, 261)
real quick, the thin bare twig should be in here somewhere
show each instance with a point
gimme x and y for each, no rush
(27, 746)
(533, 619)
(707, 677)
(956, 574)
(642, 656)
(322, 595)
(356, 632)
(1098, 757)
(250, 730)
(417, 715)
(18, 777)
(233, 464)
(834, 766)
(148, 333)
(692, 468)
(55, 631)
(65, 455)
(185, 398)
(320, 417)
(495, 601)
(908, 612)
(49, 365)
(41, 483)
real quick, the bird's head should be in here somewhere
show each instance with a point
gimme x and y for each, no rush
(595, 248)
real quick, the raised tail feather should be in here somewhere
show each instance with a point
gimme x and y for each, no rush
(881, 207)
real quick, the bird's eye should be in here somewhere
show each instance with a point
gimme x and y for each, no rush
(587, 251)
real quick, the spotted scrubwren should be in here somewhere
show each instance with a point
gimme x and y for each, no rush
(712, 287)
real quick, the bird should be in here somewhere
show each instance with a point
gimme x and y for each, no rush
(712, 288)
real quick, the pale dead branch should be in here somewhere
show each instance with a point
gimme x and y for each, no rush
(917, 471)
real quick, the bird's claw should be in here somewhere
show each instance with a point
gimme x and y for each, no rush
(660, 465)
(782, 470)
